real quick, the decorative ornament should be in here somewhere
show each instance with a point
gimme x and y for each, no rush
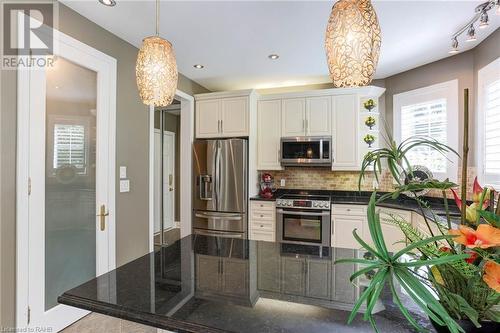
(370, 122)
(417, 174)
(156, 69)
(369, 139)
(352, 43)
(369, 105)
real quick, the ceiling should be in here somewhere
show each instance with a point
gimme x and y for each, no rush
(233, 39)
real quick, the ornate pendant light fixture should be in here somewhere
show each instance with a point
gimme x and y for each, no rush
(156, 69)
(352, 43)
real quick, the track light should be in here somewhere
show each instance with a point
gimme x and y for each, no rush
(471, 33)
(454, 46)
(483, 21)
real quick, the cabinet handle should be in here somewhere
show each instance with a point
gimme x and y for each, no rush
(261, 215)
(262, 226)
(218, 126)
(221, 126)
(307, 126)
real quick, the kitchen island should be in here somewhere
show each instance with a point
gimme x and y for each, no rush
(210, 284)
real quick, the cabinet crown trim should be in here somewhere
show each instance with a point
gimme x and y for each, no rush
(226, 94)
(371, 91)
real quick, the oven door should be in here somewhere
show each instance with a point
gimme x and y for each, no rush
(304, 226)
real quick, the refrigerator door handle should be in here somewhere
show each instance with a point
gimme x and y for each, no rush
(217, 174)
(219, 217)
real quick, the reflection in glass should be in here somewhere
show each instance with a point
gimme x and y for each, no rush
(70, 180)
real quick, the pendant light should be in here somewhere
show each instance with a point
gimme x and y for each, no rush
(156, 69)
(352, 43)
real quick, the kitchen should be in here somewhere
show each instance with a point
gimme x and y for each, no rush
(290, 190)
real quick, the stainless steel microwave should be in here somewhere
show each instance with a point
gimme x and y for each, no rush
(306, 151)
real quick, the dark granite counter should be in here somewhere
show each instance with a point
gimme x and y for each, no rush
(208, 284)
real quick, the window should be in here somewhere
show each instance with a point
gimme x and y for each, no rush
(488, 140)
(432, 112)
(69, 146)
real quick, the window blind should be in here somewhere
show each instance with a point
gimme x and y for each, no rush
(491, 127)
(426, 119)
(69, 146)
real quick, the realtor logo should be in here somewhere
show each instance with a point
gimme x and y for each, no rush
(27, 33)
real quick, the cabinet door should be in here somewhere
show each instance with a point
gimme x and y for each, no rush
(318, 278)
(207, 118)
(208, 273)
(235, 276)
(293, 275)
(393, 235)
(318, 116)
(234, 116)
(268, 266)
(293, 117)
(345, 132)
(342, 227)
(268, 135)
(342, 289)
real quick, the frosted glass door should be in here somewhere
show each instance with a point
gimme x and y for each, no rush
(70, 178)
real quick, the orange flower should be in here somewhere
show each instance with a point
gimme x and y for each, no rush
(492, 275)
(485, 236)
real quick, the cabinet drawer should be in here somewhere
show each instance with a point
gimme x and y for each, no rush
(262, 205)
(263, 215)
(262, 235)
(262, 225)
(353, 210)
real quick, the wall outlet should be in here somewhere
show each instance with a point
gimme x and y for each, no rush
(282, 182)
(123, 172)
(124, 185)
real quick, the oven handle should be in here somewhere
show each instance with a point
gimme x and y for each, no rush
(289, 212)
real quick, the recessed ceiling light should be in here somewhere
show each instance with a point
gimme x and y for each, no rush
(273, 56)
(198, 66)
(109, 3)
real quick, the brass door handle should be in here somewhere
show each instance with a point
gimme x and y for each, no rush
(171, 189)
(102, 217)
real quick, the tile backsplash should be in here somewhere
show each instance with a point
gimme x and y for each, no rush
(326, 179)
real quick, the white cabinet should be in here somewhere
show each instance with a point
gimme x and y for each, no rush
(268, 135)
(318, 116)
(306, 116)
(393, 235)
(262, 220)
(342, 227)
(345, 132)
(222, 117)
(294, 117)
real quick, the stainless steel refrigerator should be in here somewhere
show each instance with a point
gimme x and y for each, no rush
(220, 187)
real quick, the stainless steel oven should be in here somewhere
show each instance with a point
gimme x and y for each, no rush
(303, 219)
(306, 150)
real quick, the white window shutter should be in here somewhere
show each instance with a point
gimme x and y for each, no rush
(491, 134)
(69, 146)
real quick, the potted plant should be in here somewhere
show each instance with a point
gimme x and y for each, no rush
(370, 122)
(369, 139)
(452, 273)
(369, 104)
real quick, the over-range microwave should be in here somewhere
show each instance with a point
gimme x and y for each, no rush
(306, 151)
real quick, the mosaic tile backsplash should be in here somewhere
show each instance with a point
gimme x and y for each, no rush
(326, 179)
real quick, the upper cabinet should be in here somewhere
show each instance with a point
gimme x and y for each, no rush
(268, 135)
(223, 115)
(345, 133)
(309, 116)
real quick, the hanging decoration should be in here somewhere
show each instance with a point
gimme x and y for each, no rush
(156, 69)
(352, 43)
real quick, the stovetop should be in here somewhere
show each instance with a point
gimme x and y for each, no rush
(304, 201)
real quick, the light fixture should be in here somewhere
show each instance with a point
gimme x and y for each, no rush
(471, 34)
(109, 3)
(273, 56)
(484, 20)
(198, 66)
(497, 5)
(156, 69)
(454, 46)
(352, 43)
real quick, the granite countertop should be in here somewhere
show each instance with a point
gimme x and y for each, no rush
(362, 198)
(208, 284)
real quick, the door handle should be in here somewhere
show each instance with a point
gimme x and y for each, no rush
(102, 217)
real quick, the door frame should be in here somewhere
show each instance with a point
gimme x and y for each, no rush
(173, 136)
(186, 158)
(23, 172)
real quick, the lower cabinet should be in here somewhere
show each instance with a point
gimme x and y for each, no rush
(318, 278)
(262, 220)
(234, 276)
(293, 275)
(228, 276)
(268, 267)
(342, 289)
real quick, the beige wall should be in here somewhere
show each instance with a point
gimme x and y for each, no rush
(132, 126)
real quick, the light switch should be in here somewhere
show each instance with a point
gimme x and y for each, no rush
(125, 185)
(123, 172)
(282, 182)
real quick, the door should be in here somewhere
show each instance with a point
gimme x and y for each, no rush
(293, 275)
(293, 117)
(345, 130)
(168, 180)
(234, 116)
(208, 119)
(235, 276)
(208, 277)
(268, 135)
(318, 115)
(69, 150)
(204, 159)
(318, 278)
(231, 176)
